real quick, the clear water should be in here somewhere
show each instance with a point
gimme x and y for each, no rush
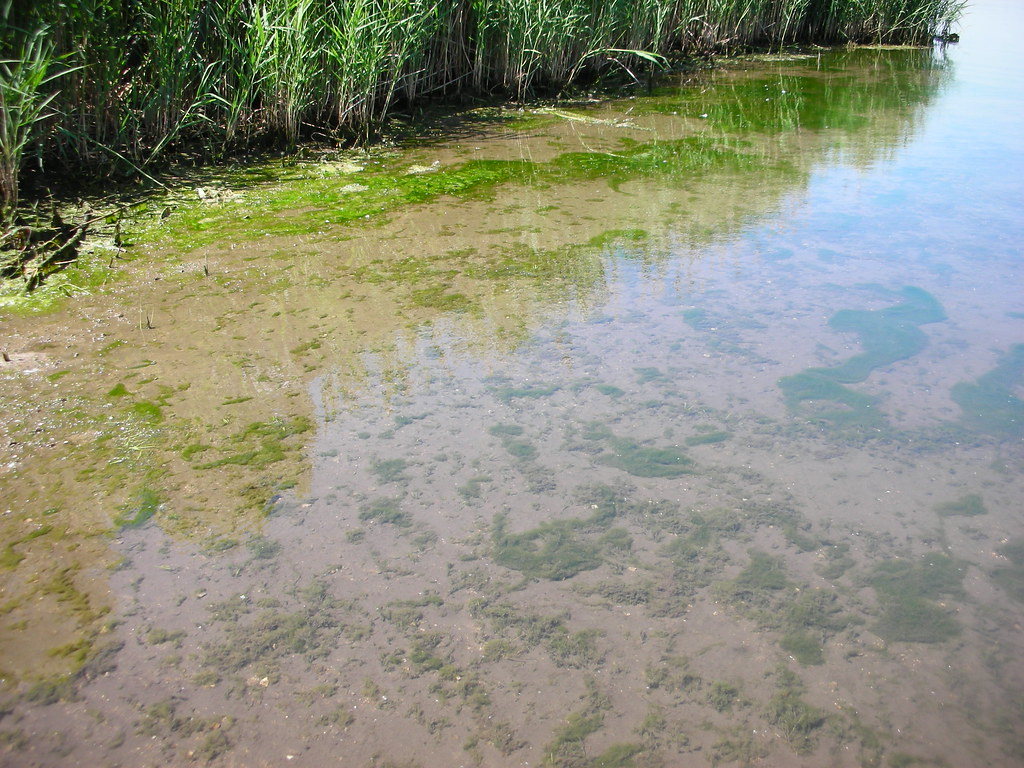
(720, 464)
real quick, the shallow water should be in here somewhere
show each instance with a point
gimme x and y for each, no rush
(680, 430)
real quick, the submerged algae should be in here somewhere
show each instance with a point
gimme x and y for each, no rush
(307, 207)
(967, 506)
(908, 592)
(989, 404)
(1011, 577)
(887, 336)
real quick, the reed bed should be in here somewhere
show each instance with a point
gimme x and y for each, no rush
(107, 85)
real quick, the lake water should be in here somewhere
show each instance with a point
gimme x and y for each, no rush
(681, 430)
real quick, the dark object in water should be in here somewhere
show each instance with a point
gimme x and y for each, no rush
(949, 37)
(33, 253)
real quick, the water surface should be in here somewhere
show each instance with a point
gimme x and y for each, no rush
(684, 429)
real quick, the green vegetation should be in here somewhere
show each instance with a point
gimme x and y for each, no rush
(807, 618)
(989, 404)
(641, 461)
(473, 488)
(887, 336)
(907, 592)
(256, 641)
(803, 646)
(518, 631)
(1011, 577)
(723, 696)
(260, 443)
(143, 505)
(558, 549)
(521, 449)
(385, 510)
(389, 470)
(716, 436)
(567, 747)
(507, 394)
(113, 85)
(798, 721)
(967, 506)
(506, 430)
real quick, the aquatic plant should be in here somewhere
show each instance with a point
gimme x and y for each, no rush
(139, 509)
(151, 77)
(389, 470)
(989, 404)
(642, 461)
(804, 647)
(907, 593)
(886, 336)
(258, 444)
(385, 510)
(554, 550)
(798, 721)
(966, 506)
(722, 696)
(1011, 577)
(706, 438)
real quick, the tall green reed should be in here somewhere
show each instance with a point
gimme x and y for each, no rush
(142, 77)
(26, 93)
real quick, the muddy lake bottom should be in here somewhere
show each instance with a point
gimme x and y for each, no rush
(567, 554)
(615, 467)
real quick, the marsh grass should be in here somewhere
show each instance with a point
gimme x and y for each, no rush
(114, 86)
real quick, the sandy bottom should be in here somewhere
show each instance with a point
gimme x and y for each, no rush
(381, 620)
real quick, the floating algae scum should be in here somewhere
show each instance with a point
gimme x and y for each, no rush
(677, 430)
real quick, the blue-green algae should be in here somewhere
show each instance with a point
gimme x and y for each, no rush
(718, 436)
(907, 592)
(507, 394)
(385, 510)
(143, 505)
(966, 506)
(989, 404)
(560, 549)
(642, 461)
(887, 336)
(1011, 577)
